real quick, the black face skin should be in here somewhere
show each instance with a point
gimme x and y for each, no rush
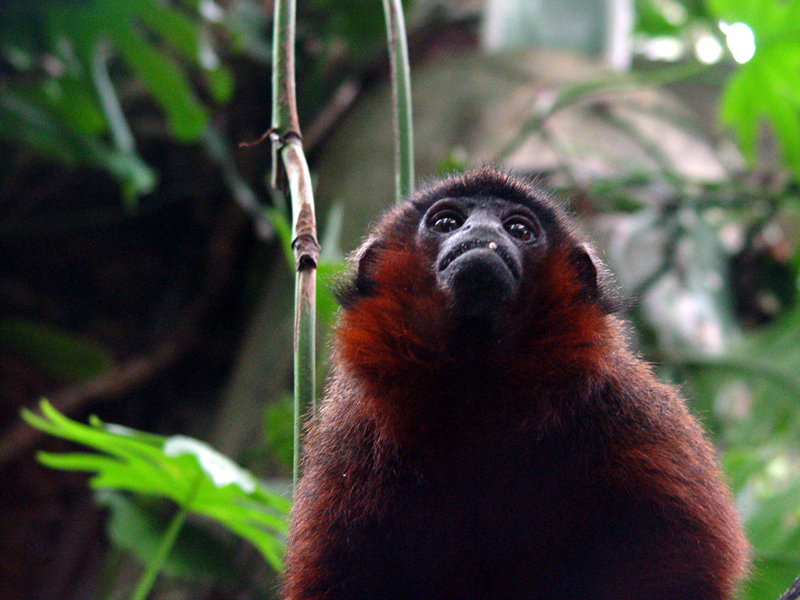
(479, 245)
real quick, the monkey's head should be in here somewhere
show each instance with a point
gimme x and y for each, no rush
(477, 252)
(478, 246)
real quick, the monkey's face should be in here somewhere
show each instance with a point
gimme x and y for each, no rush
(476, 267)
(478, 246)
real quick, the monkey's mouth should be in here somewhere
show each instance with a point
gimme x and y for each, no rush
(465, 247)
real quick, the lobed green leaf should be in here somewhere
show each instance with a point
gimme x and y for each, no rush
(181, 469)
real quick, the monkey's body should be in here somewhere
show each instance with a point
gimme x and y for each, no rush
(509, 448)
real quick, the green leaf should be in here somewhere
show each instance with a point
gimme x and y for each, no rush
(66, 98)
(181, 469)
(186, 116)
(767, 87)
(651, 21)
(137, 527)
(764, 17)
(147, 34)
(774, 73)
(78, 461)
(740, 465)
(58, 351)
(22, 120)
(35, 126)
(171, 25)
(775, 352)
(220, 83)
(763, 372)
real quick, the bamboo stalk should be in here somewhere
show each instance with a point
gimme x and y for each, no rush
(401, 93)
(289, 159)
(284, 100)
(306, 251)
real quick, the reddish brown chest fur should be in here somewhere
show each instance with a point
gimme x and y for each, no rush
(618, 498)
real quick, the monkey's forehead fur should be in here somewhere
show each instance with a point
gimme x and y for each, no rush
(487, 183)
(491, 183)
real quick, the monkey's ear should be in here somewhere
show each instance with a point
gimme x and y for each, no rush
(367, 258)
(596, 283)
(360, 282)
(583, 261)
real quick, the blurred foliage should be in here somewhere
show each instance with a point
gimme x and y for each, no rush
(69, 70)
(56, 94)
(670, 17)
(357, 25)
(766, 87)
(58, 352)
(278, 430)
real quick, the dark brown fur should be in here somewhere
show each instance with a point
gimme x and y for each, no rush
(539, 459)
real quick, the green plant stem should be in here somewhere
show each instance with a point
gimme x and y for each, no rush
(117, 124)
(288, 157)
(401, 93)
(284, 99)
(306, 251)
(167, 542)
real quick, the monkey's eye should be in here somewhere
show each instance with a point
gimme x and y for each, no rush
(445, 222)
(520, 228)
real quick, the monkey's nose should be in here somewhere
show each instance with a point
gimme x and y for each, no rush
(484, 221)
